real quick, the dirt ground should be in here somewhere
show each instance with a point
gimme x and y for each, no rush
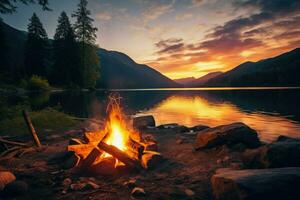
(183, 174)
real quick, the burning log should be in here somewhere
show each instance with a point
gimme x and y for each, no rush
(90, 159)
(106, 167)
(120, 155)
(82, 150)
(31, 129)
(151, 159)
(135, 147)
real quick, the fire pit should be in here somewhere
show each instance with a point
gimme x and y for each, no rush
(116, 146)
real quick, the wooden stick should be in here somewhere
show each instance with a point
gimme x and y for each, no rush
(31, 129)
(90, 159)
(120, 155)
(13, 143)
(136, 147)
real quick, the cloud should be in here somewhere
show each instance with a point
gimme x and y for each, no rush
(104, 16)
(184, 16)
(273, 28)
(154, 11)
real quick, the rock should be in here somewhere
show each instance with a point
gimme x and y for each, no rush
(138, 192)
(71, 162)
(74, 141)
(174, 127)
(179, 141)
(167, 126)
(149, 138)
(15, 188)
(227, 134)
(143, 122)
(67, 182)
(91, 185)
(6, 177)
(198, 128)
(277, 154)
(189, 192)
(260, 184)
(283, 138)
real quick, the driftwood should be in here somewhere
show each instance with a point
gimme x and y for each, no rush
(120, 155)
(31, 129)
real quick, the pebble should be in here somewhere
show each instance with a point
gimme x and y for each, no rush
(6, 177)
(189, 192)
(138, 192)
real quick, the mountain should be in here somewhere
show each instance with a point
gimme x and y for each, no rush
(282, 70)
(204, 79)
(117, 69)
(184, 81)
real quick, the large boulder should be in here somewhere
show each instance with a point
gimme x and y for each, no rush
(259, 184)
(227, 135)
(278, 154)
(143, 122)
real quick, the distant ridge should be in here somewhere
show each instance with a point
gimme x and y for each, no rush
(282, 70)
(184, 81)
(203, 80)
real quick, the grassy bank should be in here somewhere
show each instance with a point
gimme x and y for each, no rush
(46, 121)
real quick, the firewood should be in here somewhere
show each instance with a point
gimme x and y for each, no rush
(106, 167)
(151, 159)
(82, 150)
(31, 129)
(94, 154)
(120, 155)
(135, 146)
(90, 159)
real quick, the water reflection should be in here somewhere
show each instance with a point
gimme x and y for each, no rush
(198, 110)
(270, 112)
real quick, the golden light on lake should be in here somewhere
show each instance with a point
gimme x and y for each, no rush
(191, 111)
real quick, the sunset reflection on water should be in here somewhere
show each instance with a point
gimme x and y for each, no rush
(190, 111)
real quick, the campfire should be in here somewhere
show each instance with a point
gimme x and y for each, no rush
(117, 145)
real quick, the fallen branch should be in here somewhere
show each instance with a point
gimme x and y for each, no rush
(13, 142)
(31, 129)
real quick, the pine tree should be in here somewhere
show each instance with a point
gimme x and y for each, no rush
(36, 49)
(86, 36)
(66, 56)
(3, 49)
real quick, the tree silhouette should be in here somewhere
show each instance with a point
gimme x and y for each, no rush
(36, 48)
(85, 34)
(9, 6)
(66, 56)
(3, 49)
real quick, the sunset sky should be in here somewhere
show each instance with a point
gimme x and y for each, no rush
(182, 38)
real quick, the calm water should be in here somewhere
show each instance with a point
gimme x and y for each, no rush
(272, 112)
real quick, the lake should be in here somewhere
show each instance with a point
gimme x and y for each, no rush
(270, 111)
